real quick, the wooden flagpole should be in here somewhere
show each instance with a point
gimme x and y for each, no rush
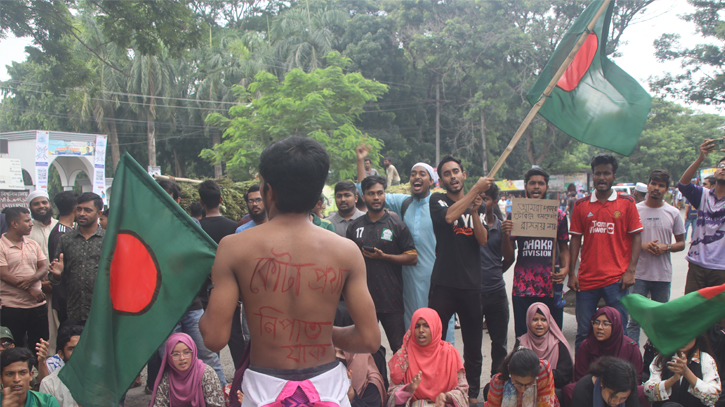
(547, 91)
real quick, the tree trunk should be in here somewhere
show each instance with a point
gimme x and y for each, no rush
(438, 121)
(483, 143)
(178, 169)
(150, 122)
(113, 135)
(215, 140)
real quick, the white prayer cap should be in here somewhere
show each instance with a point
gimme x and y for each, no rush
(433, 175)
(37, 193)
(641, 187)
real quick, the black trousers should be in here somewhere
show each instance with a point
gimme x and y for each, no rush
(467, 304)
(495, 307)
(394, 326)
(32, 322)
(236, 338)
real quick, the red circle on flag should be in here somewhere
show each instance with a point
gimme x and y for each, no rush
(580, 65)
(135, 275)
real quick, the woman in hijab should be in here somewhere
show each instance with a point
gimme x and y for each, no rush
(610, 383)
(427, 371)
(544, 337)
(184, 380)
(606, 338)
(365, 380)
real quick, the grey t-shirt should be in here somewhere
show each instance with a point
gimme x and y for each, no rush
(659, 224)
(492, 260)
(341, 223)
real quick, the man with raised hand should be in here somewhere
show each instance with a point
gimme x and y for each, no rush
(290, 276)
(456, 279)
(706, 256)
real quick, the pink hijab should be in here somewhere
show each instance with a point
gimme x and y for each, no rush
(185, 387)
(546, 346)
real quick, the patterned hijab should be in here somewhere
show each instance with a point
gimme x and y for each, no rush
(439, 360)
(185, 387)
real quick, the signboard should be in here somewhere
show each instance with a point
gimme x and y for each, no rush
(556, 183)
(155, 170)
(69, 147)
(706, 172)
(99, 168)
(41, 160)
(510, 185)
(13, 198)
(578, 179)
(11, 174)
(535, 217)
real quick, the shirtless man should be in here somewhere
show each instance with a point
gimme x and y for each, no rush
(290, 274)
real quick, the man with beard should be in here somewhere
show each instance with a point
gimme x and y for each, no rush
(456, 279)
(345, 199)
(22, 266)
(256, 209)
(77, 257)
(661, 220)
(706, 256)
(387, 245)
(43, 224)
(534, 277)
(610, 225)
(414, 209)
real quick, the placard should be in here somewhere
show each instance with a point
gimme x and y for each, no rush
(535, 217)
(41, 160)
(13, 198)
(99, 164)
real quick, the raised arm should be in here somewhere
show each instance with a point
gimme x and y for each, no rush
(361, 152)
(458, 208)
(692, 169)
(507, 246)
(479, 230)
(216, 323)
(364, 335)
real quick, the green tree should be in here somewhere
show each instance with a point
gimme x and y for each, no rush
(322, 105)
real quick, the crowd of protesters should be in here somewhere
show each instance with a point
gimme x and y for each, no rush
(412, 263)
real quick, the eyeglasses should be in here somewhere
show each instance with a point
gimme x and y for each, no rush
(721, 165)
(522, 386)
(6, 343)
(255, 201)
(177, 355)
(602, 323)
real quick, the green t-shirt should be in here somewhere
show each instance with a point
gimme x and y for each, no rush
(36, 399)
(323, 223)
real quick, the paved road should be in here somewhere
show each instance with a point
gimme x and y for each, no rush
(137, 398)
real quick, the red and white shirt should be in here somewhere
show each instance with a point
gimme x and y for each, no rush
(607, 230)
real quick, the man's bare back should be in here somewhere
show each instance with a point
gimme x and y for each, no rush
(290, 274)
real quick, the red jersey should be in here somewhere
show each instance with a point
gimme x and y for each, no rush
(607, 237)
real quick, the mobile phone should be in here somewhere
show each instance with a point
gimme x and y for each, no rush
(369, 249)
(717, 144)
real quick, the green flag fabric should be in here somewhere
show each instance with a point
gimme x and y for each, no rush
(154, 260)
(671, 325)
(595, 101)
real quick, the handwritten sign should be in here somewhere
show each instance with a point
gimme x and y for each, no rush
(535, 217)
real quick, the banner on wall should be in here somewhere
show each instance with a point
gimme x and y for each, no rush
(99, 165)
(71, 148)
(41, 160)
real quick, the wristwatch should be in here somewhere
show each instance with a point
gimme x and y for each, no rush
(669, 248)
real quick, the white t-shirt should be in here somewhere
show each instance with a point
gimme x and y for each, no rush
(659, 224)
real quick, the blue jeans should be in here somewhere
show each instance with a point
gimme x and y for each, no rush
(189, 324)
(657, 290)
(688, 223)
(586, 307)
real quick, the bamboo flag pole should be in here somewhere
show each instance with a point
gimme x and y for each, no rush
(193, 181)
(547, 91)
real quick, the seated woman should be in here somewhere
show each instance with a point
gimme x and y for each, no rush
(606, 338)
(367, 388)
(689, 377)
(427, 371)
(183, 379)
(544, 337)
(523, 380)
(611, 382)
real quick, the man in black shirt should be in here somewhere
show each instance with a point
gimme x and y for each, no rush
(218, 227)
(66, 203)
(456, 279)
(387, 246)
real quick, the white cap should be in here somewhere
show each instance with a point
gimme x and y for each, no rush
(641, 187)
(37, 193)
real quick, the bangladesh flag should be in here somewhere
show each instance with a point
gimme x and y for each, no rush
(595, 101)
(153, 263)
(673, 324)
